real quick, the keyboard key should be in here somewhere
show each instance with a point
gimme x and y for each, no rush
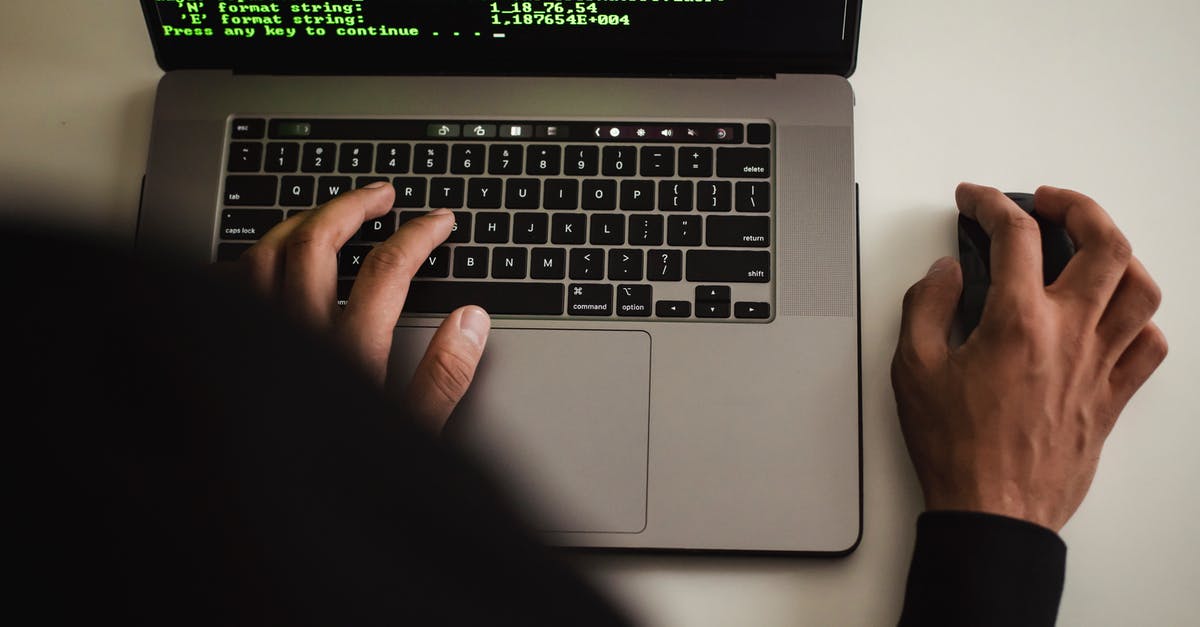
(523, 194)
(248, 224)
(491, 228)
(646, 230)
(506, 159)
(712, 310)
(581, 161)
(664, 265)
(392, 159)
(744, 163)
(599, 194)
(696, 162)
(758, 134)
(634, 300)
(378, 229)
(754, 196)
(249, 128)
(658, 161)
(508, 263)
(608, 230)
(587, 264)
(245, 156)
(748, 232)
(543, 160)
(484, 193)
(460, 233)
(548, 263)
(244, 190)
(356, 158)
(713, 293)
(470, 262)
(330, 187)
(430, 159)
(589, 300)
(713, 195)
(673, 309)
(637, 195)
(568, 228)
(620, 161)
(675, 196)
(296, 191)
(443, 130)
(531, 228)
(351, 258)
(752, 310)
(318, 157)
(363, 181)
(562, 194)
(516, 298)
(282, 157)
(683, 231)
(436, 265)
(231, 252)
(625, 265)
(410, 192)
(446, 192)
(722, 266)
(467, 159)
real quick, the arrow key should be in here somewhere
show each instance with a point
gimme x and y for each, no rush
(712, 309)
(752, 310)
(673, 309)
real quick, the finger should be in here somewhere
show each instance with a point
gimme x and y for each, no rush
(928, 315)
(1101, 251)
(1016, 242)
(310, 270)
(1137, 363)
(1134, 302)
(448, 367)
(262, 263)
(381, 287)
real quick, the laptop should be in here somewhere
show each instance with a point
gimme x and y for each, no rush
(655, 202)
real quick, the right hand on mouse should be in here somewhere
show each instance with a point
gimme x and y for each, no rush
(295, 263)
(1012, 421)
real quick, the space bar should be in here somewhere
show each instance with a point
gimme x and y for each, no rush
(535, 299)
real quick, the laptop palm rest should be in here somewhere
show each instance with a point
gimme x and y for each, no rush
(561, 418)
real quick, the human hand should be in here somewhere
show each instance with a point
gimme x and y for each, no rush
(1012, 421)
(296, 264)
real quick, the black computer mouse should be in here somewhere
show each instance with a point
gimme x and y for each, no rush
(974, 254)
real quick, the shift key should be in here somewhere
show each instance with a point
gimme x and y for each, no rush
(721, 266)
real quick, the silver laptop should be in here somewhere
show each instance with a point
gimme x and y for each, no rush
(655, 202)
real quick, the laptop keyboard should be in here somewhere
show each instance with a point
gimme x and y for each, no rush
(569, 220)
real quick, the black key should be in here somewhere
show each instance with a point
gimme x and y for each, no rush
(658, 161)
(440, 297)
(673, 309)
(695, 161)
(296, 191)
(590, 300)
(410, 191)
(620, 161)
(587, 264)
(683, 231)
(713, 195)
(712, 309)
(484, 193)
(282, 157)
(467, 159)
(747, 232)
(664, 265)
(429, 159)
(318, 157)
(646, 230)
(548, 263)
(245, 156)
(505, 159)
(330, 187)
(713, 293)
(568, 228)
(752, 310)
(530, 228)
(392, 159)
(608, 230)
(543, 160)
(249, 128)
(582, 161)
(244, 190)
(726, 266)
(470, 262)
(759, 134)
(436, 265)
(491, 228)
(625, 265)
(744, 163)
(363, 181)
(523, 194)
(351, 258)
(355, 158)
(460, 233)
(754, 196)
(634, 300)
(508, 263)
(248, 224)
(637, 195)
(599, 194)
(231, 252)
(378, 229)
(675, 195)
(562, 194)
(445, 192)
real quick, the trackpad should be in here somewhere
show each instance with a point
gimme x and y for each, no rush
(561, 418)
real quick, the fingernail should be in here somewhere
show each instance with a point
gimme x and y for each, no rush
(941, 264)
(439, 212)
(377, 185)
(474, 324)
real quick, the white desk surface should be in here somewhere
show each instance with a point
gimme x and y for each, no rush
(1098, 95)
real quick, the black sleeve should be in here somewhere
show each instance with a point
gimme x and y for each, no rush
(971, 568)
(185, 457)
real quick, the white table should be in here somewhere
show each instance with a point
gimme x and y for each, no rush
(1100, 96)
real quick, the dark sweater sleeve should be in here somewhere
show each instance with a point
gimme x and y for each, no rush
(972, 568)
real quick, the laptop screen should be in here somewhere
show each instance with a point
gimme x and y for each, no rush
(606, 37)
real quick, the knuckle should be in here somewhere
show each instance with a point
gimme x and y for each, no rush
(450, 374)
(1118, 246)
(1019, 222)
(308, 236)
(1157, 345)
(257, 256)
(387, 259)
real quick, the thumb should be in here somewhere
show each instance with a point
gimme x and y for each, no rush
(928, 315)
(448, 367)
